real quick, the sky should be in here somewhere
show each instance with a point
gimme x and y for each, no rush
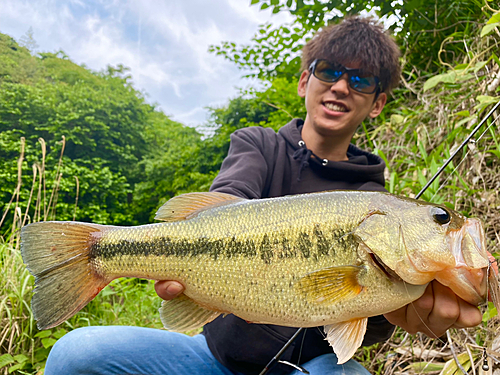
(163, 42)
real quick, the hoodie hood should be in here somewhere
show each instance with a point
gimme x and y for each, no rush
(361, 166)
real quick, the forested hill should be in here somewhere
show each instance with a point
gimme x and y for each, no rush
(125, 156)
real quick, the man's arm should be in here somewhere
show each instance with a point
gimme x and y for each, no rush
(248, 164)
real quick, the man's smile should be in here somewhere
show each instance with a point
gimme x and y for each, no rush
(336, 106)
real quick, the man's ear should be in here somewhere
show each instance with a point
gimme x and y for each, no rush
(302, 86)
(378, 105)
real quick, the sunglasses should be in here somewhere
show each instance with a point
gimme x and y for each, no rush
(358, 80)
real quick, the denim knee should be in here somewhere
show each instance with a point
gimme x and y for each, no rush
(76, 352)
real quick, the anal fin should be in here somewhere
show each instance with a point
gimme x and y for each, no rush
(183, 314)
(346, 337)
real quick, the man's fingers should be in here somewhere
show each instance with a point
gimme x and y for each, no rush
(435, 312)
(420, 309)
(446, 308)
(470, 315)
(168, 290)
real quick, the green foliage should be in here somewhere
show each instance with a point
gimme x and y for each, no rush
(110, 138)
(16, 62)
(424, 28)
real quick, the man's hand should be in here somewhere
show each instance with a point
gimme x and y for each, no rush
(435, 312)
(168, 289)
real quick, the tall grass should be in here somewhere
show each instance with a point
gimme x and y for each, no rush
(23, 348)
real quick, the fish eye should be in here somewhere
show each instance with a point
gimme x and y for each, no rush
(440, 215)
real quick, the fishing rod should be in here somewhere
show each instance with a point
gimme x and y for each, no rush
(467, 140)
(276, 359)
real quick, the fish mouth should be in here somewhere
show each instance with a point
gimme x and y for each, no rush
(387, 271)
(469, 278)
(470, 285)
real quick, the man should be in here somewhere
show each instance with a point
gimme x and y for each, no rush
(348, 69)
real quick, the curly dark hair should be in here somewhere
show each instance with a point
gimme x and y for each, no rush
(357, 40)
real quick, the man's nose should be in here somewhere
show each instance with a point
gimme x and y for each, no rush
(342, 85)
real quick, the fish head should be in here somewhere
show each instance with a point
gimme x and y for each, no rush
(420, 242)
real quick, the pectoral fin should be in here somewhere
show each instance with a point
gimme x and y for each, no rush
(183, 314)
(330, 285)
(346, 337)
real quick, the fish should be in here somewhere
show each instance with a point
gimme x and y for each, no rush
(328, 259)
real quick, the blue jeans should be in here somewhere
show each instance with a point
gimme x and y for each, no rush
(120, 350)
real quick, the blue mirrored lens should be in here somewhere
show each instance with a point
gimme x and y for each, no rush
(331, 74)
(358, 81)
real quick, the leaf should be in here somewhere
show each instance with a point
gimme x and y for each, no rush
(5, 360)
(43, 334)
(16, 367)
(48, 342)
(463, 113)
(397, 119)
(480, 65)
(253, 2)
(489, 28)
(60, 333)
(431, 82)
(490, 312)
(494, 19)
(445, 77)
(485, 99)
(451, 368)
(424, 367)
(20, 358)
(410, 5)
(495, 57)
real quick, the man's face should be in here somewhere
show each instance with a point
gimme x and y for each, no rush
(335, 109)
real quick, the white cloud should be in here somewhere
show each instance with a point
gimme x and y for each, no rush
(164, 43)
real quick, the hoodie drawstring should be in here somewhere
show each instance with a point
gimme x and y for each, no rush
(303, 154)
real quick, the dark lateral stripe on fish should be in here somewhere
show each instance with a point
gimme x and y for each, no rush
(305, 246)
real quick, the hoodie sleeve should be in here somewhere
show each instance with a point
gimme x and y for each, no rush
(249, 163)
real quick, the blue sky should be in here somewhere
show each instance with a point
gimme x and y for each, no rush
(164, 43)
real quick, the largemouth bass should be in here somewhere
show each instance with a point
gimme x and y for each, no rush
(332, 259)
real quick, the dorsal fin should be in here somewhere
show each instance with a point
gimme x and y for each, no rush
(188, 205)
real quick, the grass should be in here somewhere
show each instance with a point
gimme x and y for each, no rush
(23, 348)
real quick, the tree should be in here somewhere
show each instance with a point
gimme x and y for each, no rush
(423, 28)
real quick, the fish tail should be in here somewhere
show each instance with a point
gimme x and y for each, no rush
(59, 255)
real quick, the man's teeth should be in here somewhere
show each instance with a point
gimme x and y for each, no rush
(335, 107)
